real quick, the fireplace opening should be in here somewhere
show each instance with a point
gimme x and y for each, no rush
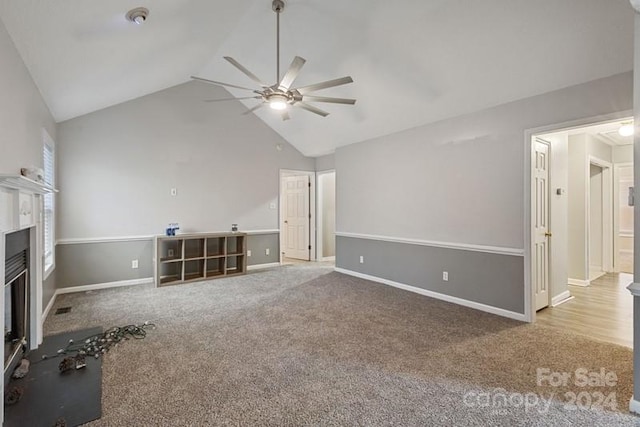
(16, 299)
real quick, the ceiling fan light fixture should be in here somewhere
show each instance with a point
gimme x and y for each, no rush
(626, 129)
(278, 102)
(138, 15)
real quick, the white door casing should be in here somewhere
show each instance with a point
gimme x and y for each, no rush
(296, 218)
(540, 222)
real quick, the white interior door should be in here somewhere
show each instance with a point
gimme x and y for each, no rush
(541, 232)
(296, 217)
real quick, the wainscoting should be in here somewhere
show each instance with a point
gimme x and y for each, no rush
(92, 262)
(487, 278)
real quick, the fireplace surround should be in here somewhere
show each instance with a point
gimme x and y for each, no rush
(16, 299)
(21, 244)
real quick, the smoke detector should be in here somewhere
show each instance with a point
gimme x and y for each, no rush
(138, 15)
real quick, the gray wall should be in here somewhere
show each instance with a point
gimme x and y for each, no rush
(82, 264)
(23, 115)
(325, 163)
(578, 266)
(490, 279)
(118, 165)
(328, 214)
(460, 180)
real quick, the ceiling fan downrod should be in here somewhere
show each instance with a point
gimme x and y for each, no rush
(278, 7)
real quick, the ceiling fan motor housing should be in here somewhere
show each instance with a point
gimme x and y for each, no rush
(277, 6)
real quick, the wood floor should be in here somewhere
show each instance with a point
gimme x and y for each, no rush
(603, 310)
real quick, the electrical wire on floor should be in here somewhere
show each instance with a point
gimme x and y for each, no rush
(96, 345)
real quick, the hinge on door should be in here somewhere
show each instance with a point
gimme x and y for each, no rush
(309, 215)
(309, 247)
(309, 184)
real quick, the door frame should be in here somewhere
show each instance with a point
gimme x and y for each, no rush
(529, 300)
(607, 213)
(312, 210)
(320, 215)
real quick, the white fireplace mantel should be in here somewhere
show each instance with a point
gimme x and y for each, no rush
(21, 208)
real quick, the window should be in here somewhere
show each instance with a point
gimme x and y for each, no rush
(48, 216)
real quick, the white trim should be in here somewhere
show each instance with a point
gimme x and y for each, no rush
(561, 298)
(447, 245)
(263, 266)
(606, 248)
(258, 232)
(328, 258)
(578, 282)
(107, 285)
(86, 240)
(47, 309)
(634, 406)
(436, 295)
(634, 288)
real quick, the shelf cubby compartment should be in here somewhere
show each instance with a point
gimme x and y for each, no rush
(170, 250)
(215, 246)
(170, 272)
(215, 267)
(199, 256)
(235, 245)
(235, 265)
(194, 248)
(194, 270)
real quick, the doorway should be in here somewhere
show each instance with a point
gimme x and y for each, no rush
(297, 204)
(326, 226)
(584, 211)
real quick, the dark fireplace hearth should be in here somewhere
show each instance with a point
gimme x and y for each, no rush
(16, 299)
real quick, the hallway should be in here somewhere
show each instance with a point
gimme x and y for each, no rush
(603, 311)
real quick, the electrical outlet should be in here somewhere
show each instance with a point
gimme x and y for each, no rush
(361, 259)
(445, 276)
(170, 253)
(134, 263)
(266, 251)
(174, 191)
(248, 252)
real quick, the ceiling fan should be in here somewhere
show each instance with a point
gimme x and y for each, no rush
(281, 95)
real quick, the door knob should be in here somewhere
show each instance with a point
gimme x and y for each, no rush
(548, 234)
(286, 222)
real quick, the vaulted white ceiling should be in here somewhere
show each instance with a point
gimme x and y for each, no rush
(413, 61)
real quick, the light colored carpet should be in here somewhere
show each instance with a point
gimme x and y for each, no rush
(303, 345)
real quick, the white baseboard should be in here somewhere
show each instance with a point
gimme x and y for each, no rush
(437, 295)
(561, 298)
(578, 282)
(328, 258)
(107, 285)
(262, 266)
(634, 406)
(47, 309)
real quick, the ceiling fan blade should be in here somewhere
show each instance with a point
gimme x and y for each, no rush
(324, 85)
(232, 99)
(292, 72)
(285, 115)
(311, 108)
(245, 71)
(328, 99)
(221, 84)
(251, 110)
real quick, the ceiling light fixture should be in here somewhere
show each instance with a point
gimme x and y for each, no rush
(626, 129)
(138, 15)
(278, 101)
